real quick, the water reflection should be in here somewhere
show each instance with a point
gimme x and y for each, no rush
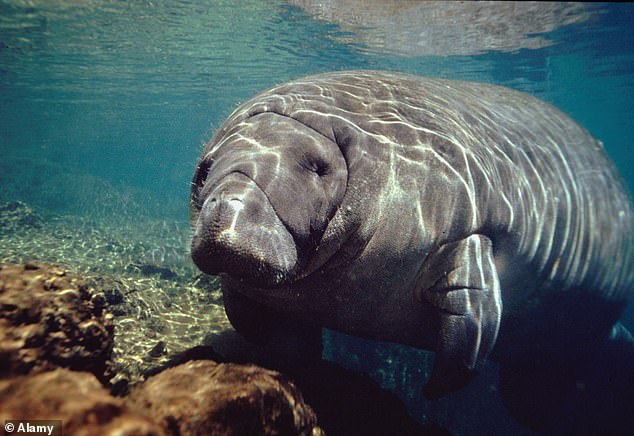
(447, 27)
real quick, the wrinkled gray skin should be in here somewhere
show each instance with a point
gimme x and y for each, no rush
(463, 218)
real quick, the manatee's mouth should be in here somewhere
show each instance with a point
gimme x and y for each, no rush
(238, 232)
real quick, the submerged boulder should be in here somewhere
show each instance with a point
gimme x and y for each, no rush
(50, 319)
(77, 399)
(204, 397)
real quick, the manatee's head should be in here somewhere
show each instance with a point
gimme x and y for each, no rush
(263, 194)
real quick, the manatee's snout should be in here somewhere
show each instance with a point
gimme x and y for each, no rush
(237, 231)
(263, 195)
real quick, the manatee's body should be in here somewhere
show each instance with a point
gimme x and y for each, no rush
(464, 218)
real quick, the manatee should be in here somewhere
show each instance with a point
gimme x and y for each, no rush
(463, 218)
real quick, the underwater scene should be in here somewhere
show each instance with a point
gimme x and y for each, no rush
(112, 135)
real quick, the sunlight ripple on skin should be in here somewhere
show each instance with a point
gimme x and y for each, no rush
(412, 210)
(237, 205)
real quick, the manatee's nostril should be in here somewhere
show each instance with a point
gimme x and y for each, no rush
(209, 209)
(223, 199)
(220, 205)
(234, 204)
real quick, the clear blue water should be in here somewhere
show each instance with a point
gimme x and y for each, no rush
(124, 93)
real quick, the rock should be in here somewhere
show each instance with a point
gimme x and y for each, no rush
(148, 269)
(224, 399)
(113, 296)
(51, 319)
(158, 350)
(75, 398)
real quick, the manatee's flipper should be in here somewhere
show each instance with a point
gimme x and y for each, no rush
(283, 341)
(461, 281)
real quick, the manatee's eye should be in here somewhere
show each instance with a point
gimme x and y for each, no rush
(202, 171)
(200, 176)
(315, 165)
(321, 168)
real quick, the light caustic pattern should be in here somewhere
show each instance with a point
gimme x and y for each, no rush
(472, 158)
